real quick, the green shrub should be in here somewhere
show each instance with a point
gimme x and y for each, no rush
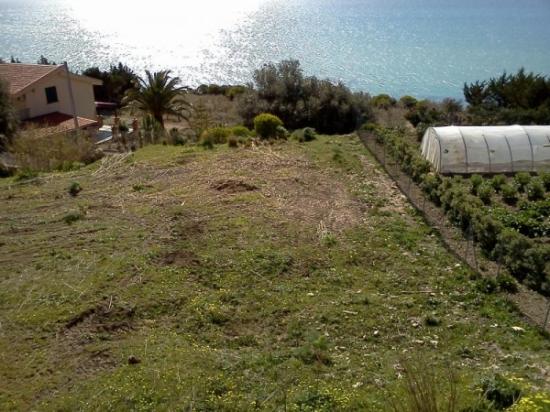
(476, 181)
(486, 232)
(383, 101)
(498, 181)
(537, 268)
(545, 176)
(25, 174)
(215, 135)
(535, 189)
(75, 189)
(485, 193)
(506, 283)
(266, 125)
(522, 180)
(501, 392)
(509, 193)
(408, 102)
(513, 248)
(314, 351)
(282, 133)
(430, 185)
(240, 131)
(306, 134)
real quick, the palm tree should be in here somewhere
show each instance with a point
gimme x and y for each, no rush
(159, 94)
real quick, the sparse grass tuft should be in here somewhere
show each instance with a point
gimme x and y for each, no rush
(73, 217)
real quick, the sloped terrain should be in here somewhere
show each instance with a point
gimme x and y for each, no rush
(287, 275)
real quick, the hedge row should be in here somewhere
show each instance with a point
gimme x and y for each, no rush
(527, 260)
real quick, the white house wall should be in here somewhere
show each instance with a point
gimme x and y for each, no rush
(35, 97)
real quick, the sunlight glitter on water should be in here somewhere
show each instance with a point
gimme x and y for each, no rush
(170, 29)
(427, 48)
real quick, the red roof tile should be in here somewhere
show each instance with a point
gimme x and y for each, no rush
(20, 76)
(59, 123)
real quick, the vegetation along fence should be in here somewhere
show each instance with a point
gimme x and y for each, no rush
(499, 226)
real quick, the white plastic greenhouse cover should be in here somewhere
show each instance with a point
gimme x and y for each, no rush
(487, 149)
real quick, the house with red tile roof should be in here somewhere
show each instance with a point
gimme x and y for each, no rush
(51, 98)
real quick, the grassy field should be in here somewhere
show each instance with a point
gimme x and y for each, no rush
(284, 277)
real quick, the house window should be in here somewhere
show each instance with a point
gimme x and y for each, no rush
(51, 95)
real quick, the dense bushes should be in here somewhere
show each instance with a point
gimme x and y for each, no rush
(230, 91)
(502, 235)
(37, 153)
(521, 98)
(233, 136)
(267, 125)
(301, 101)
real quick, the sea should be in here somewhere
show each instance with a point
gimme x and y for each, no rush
(424, 48)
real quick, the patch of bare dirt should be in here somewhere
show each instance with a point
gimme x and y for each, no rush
(385, 187)
(180, 258)
(293, 185)
(102, 318)
(234, 186)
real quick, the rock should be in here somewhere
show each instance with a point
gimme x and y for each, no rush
(132, 360)
(518, 329)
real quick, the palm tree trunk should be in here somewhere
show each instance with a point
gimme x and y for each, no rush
(160, 119)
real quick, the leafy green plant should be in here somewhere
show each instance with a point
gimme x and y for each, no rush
(266, 125)
(282, 133)
(485, 193)
(430, 185)
(497, 182)
(535, 189)
(522, 179)
(476, 181)
(240, 131)
(501, 392)
(506, 283)
(25, 174)
(509, 193)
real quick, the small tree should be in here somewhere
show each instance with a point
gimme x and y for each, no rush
(8, 117)
(266, 125)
